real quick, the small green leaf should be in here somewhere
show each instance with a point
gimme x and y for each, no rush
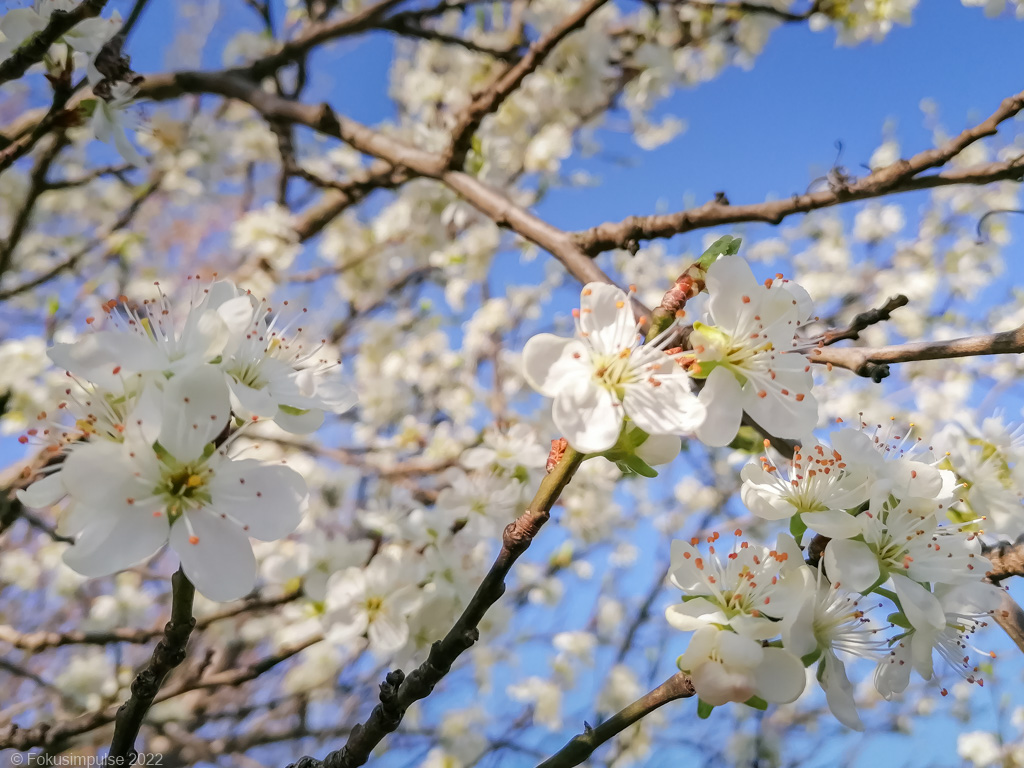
(797, 527)
(704, 709)
(727, 245)
(291, 411)
(639, 466)
(811, 657)
(87, 107)
(757, 703)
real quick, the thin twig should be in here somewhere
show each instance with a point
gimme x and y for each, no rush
(582, 745)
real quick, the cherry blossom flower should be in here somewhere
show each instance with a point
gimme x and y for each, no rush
(749, 591)
(151, 342)
(744, 354)
(129, 499)
(816, 479)
(112, 121)
(830, 621)
(726, 666)
(964, 608)
(278, 372)
(374, 601)
(605, 375)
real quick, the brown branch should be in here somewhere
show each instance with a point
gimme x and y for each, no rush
(1007, 559)
(495, 94)
(168, 654)
(874, 362)
(34, 49)
(53, 735)
(865, 320)
(398, 691)
(582, 745)
(901, 176)
(40, 641)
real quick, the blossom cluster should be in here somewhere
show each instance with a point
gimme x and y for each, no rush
(742, 355)
(879, 506)
(157, 403)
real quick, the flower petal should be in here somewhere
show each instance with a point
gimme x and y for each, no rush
(851, 563)
(113, 541)
(220, 563)
(196, 410)
(550, 362)
(606, 318)
(269, 499)
(587, 416)
(780, 677)
(721, 397)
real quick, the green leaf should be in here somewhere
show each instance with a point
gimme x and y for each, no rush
(639, 466)
(757, 703)
(727, 245)
(704, 709)
(87, 107)
(797, 527)
(811, 657)
(748, 440)
(293, 411)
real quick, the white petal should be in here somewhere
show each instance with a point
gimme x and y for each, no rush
(270, 499)
(665, 405)
(728, 280)
(659, 449)
(115, 541)
(721, 397)
(780, 677)
(919, 605)
(44, 492)
(839, 692)
(550, 362)
(299, 423)
(833, 523)
(606, 318)
(196, 410)
(851, 563)
(694, 614)
(387, 633)
(587, 416)
(256, 401)
(220, 563)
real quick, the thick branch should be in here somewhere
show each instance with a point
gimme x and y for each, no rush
(398, 691)
(582, 745)
(901, 176)
(874, 362)
(168, 654)
(1007, 559)
(34, 49)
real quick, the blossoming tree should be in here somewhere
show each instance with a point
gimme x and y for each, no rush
(288, 397)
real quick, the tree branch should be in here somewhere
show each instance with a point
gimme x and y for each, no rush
(398, 692)
(495, 94)
(34, 49)
(874, 362)
(582, 745)
(168, 654)
(901, 176)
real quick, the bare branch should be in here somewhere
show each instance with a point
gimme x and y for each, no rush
(582, 745)
(901, 176)
(865, 320)
(874, 362)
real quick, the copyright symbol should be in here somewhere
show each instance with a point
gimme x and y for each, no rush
(17, 758)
